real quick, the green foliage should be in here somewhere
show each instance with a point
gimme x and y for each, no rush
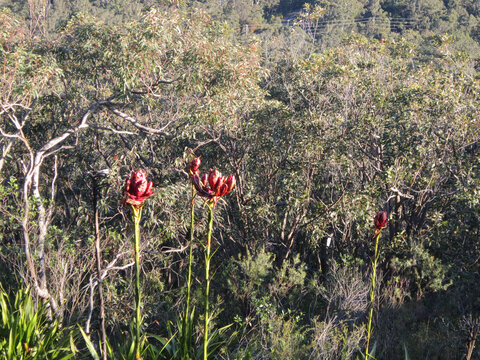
(173, 346)
(270, 296)
(424, 270)
(124, 348)
(27, 333)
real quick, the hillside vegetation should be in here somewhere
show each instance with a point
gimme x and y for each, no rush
(323, 126)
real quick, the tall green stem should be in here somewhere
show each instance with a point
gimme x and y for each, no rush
(185, 337)
(98, 255)
(137, 215)
(190, 256)
(208, 247)
(372, 294)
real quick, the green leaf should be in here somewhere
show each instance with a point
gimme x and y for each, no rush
(11, 343)
(90, 346)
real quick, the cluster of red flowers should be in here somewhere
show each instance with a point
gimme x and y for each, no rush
(212, 185)
(137, 188)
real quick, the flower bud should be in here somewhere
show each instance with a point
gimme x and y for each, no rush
(381, 220)
(195, 165)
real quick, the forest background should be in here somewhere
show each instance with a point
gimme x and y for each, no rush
(326, 112)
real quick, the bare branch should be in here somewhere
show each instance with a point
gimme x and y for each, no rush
(32, 180)
(121, 132)
(206, 142)
(399, 194)
(126, 266)
(8, 107)
(59, 139)
(150, 88)
(171, 250)
(55, 173)
(93, 283)
(138, 125)
(5, 150)
(10, 136)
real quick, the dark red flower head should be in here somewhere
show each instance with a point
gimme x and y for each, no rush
(213, 185)
(137, 188)
(195, 165)
(381, 220)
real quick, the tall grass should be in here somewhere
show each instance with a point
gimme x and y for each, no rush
(26, 331)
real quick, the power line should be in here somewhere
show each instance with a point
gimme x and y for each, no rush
(293, 22)
(315, 28)
(395, 23)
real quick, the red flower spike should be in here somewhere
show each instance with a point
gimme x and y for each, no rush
(213, 185)
(210, 185)
(137, 188)
(195, 165)
(381, 220)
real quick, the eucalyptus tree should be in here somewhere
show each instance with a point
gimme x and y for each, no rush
(103, 95)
